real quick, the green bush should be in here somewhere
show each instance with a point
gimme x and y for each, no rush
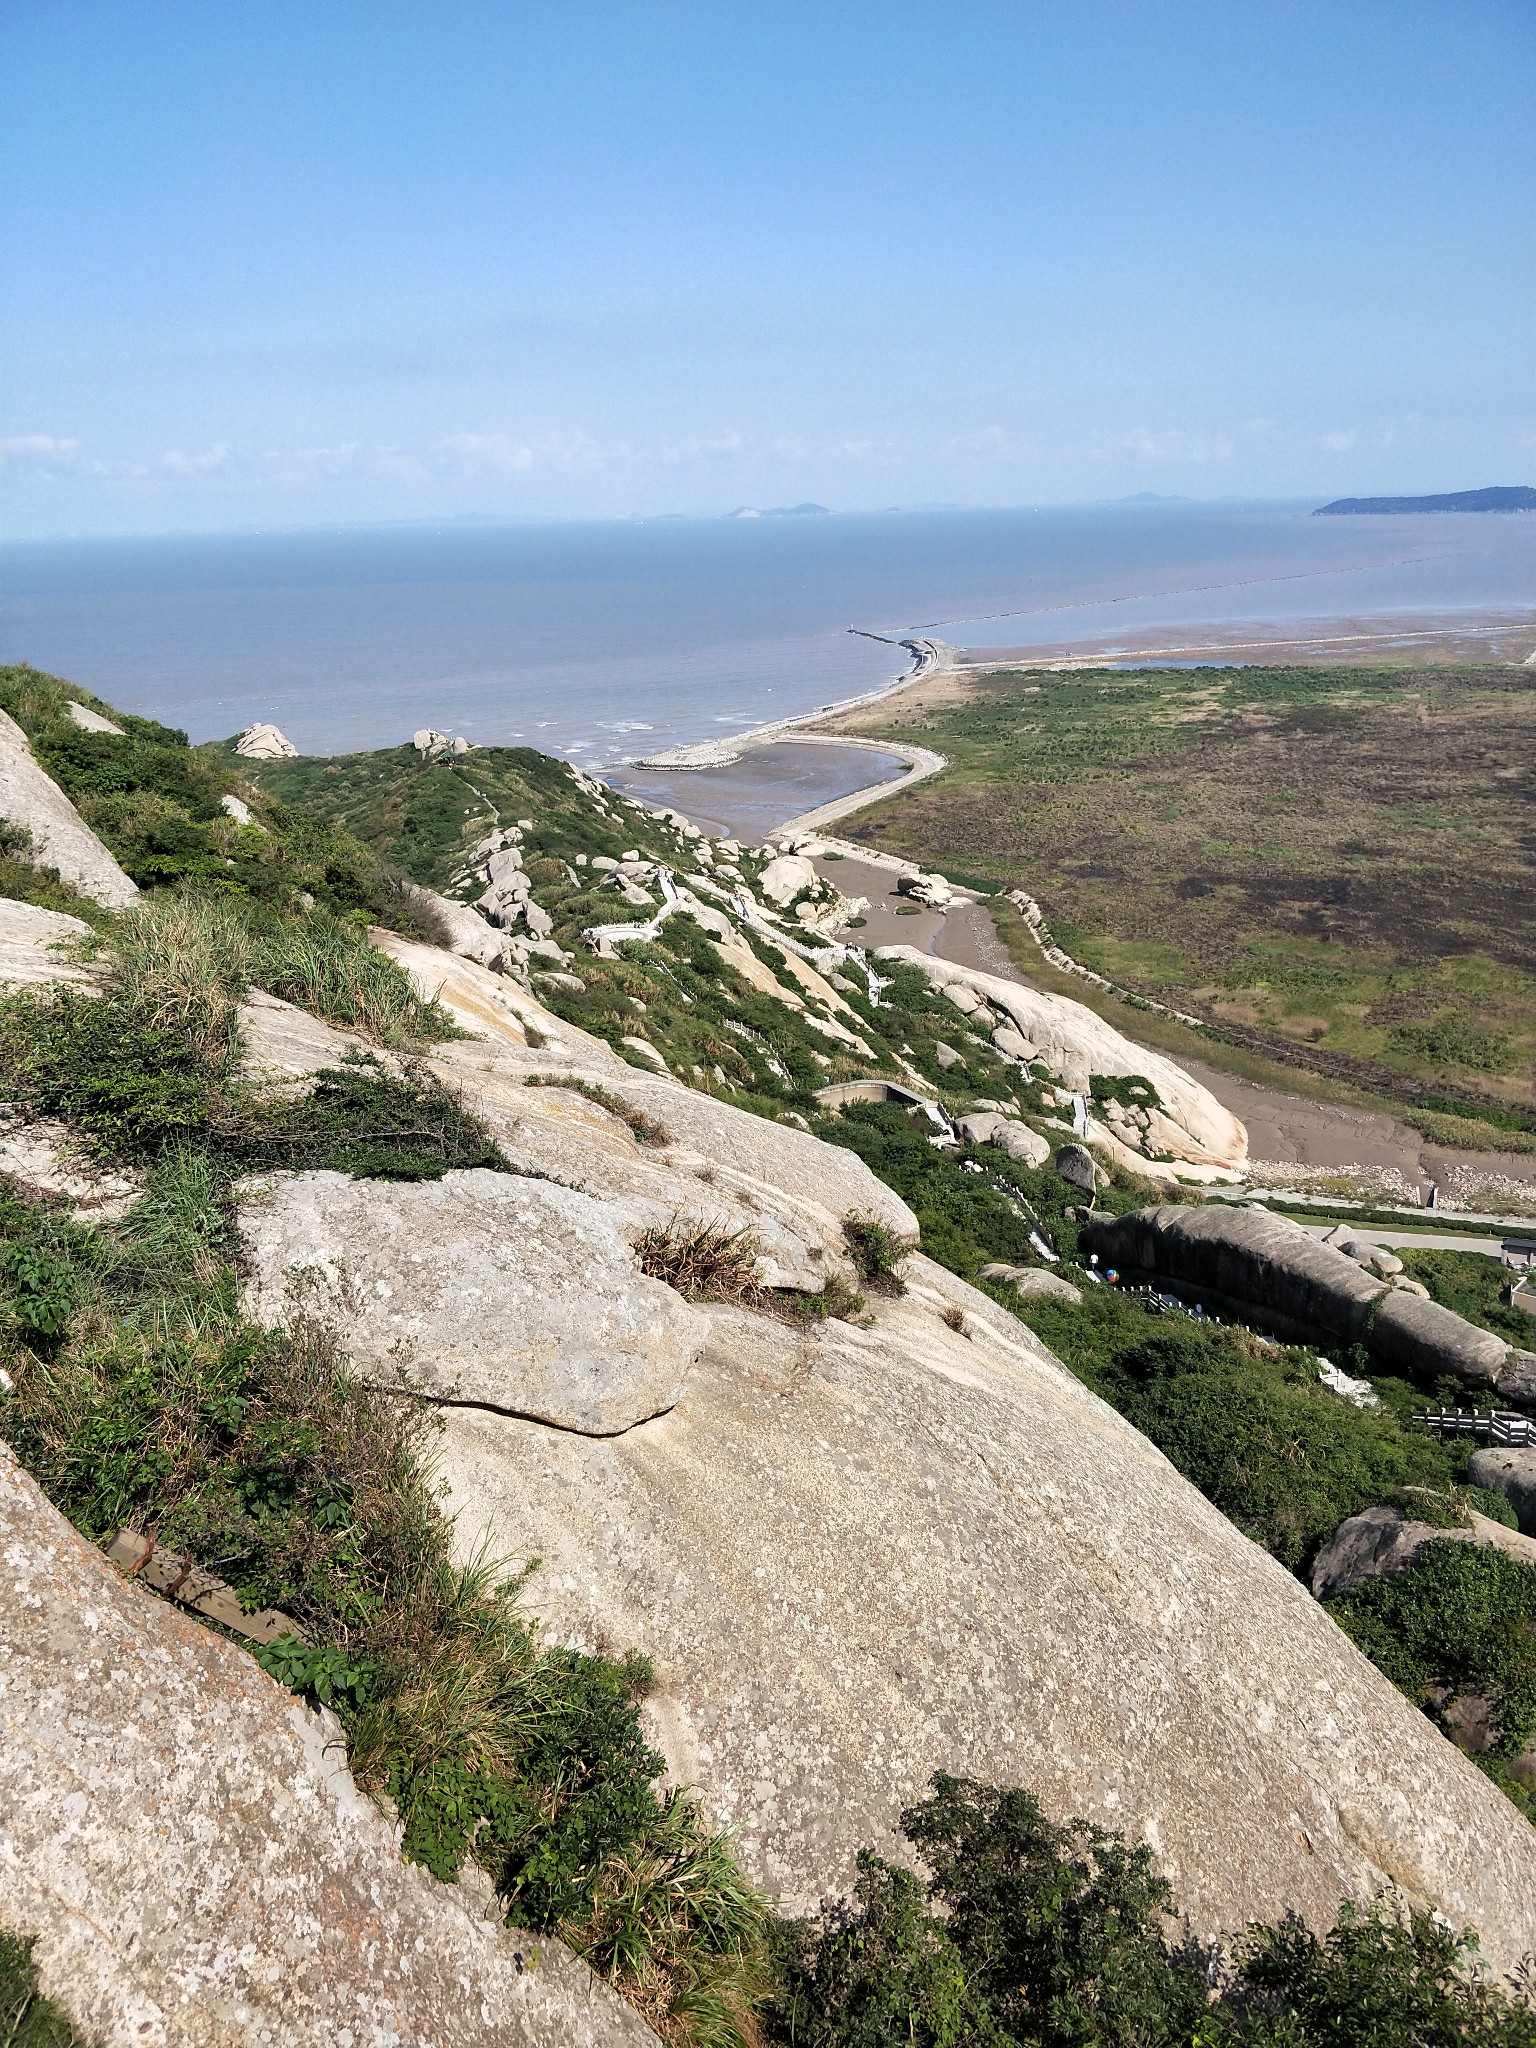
(1471, 1284)
(27, 2019)
(1461, 1619)
(1051, 1936)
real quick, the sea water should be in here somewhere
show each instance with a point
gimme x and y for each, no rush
(608, 641)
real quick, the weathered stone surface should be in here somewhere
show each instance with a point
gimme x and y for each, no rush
(1422, 1337)
(1012, 1044)
(1075, 1042)
(1248, 1257)
(977, 1128)
(89, 720)
(784, 877)
(783, 1178)
(862, 1555)
(50, 1159)
(279, 1041)
(946, 1055)
(1512, 1473)
(1034, 1282)
(29, 938)
(60, 835)
(185, 1842)
(261, 742)
(1020, 1142)
(1075, 1164)
(486, 1287)
(1380, 1541)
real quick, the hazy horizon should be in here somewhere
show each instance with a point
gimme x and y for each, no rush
(287, 267)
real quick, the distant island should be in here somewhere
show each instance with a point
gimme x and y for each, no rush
(776, 511)
(1497, 498)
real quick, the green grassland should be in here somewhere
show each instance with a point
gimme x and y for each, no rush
(1333, 866)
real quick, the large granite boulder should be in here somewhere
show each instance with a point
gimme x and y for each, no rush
(1242, 1259)
(1511, 1472)
(1254, 1265)
(1380, 1541)
(485, 1287)
(30, 797)
(860, 1555)
(184, 1840)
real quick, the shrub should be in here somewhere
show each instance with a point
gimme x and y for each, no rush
(1461, 1619)
(264, 1457)
(704, 1263)
(1063, 1936)
(876, 1252)
(27, 2019)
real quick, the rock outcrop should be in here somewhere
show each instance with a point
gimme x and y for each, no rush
(858, 1556)
(261, 742)
(1380, 1541)
(1203, 1139)
(60, 836)
(490, 1288)
(1261, 1267)
(1512, 1473)
(32, 943)
(184, 1840)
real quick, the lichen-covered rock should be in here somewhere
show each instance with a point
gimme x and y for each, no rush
(31, 798)
(485, 1287)
(858, 1556)
(30, 938)
(183, 1839)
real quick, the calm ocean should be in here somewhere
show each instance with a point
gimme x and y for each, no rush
(606, 641)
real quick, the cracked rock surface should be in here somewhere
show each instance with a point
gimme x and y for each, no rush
(858, 1556)
(484, 1287)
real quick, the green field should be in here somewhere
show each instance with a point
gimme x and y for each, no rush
(1333, 866)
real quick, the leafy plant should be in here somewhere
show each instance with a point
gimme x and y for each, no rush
(1029, 1934)
(876, 1252)
(27, 2019)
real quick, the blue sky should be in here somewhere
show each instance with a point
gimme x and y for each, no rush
(276, 263)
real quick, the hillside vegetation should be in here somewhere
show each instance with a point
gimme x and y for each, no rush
(1331, 865)
(141, 1394)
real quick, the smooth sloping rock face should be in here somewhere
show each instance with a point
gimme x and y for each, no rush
(61, 836)
(790, 1190)
(29, 936)
(1058, 1025)
(862, 1555)
(279, 1041)
(187, 1846)
(486, 1287)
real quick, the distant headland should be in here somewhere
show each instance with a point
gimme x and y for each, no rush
(1497, 498)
